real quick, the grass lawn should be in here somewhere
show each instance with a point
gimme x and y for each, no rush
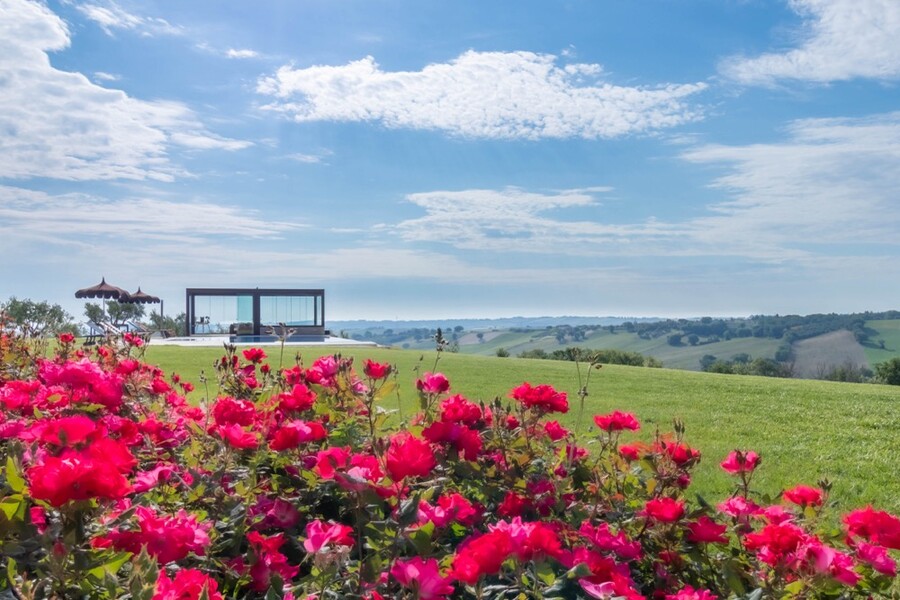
(804, 430)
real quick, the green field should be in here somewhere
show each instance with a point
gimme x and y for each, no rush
(889, 331)
(805, 430)
(674, 357)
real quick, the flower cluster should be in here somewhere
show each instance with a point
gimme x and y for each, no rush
(291, 483)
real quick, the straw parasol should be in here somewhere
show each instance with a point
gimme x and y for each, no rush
(102, 290)
(139, 297)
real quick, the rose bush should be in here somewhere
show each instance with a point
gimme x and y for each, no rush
(298, 483)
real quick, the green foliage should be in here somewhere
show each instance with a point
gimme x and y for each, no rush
(888, 372)
(502, 352)
(120, 312)
(38, 319)
(175, 325)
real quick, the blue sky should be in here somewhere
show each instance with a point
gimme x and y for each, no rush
(456, 159)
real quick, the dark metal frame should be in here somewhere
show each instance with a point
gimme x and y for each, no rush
(318, 295)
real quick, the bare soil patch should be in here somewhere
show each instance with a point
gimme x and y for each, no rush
(819, 355)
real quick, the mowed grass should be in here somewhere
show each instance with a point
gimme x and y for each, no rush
(804, 430)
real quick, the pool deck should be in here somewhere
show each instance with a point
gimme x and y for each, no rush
(199, 341)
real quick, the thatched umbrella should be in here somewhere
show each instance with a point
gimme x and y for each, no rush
(102, 290)
(139, 297)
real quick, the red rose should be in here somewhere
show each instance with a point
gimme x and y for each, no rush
(188, 584)
(482, 555)
(542, 398)
(254, 355)
(664, 510)
(76, 476)
(803, 495)
(376, 370)
(706, 531)
(740, 462)
(408, 456)
(433, 383)
(617, 421)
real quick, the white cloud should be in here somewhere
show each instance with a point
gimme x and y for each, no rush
(310, 159)
(840, 40)
(244, 53)
(830, 188)
(481, 94)
(61, 125)
(834, 181)
(85, 219)
(110, 16)
(514, 220)
(103, 76)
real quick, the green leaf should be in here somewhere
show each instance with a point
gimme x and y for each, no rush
(110, 567)
(14, 475)
(13, 507)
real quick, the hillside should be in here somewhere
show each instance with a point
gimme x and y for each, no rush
(815, 346)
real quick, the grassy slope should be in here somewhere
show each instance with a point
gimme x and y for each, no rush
(805, 430)
(889, 331)
(675, 357)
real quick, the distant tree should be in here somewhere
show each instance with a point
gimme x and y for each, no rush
(706, 361)
(612, 328)
(628, 326)
(889, 371)
(721, 366)
(561, 337)
(784, 353)
(674, 339)
(742, 358)
(38, 319)
(119, 312)
(480, 337)
(458, 328)
(502, 352)
(536, 353)
(94, 312)
(693, 339)
(172, 324)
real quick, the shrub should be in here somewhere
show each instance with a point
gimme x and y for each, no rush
(888, 371)
(292, 484)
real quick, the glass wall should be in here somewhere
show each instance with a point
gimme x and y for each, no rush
(217, 314)
(290, 310)
(250, 311)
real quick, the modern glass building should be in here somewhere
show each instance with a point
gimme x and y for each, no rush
(254, 314)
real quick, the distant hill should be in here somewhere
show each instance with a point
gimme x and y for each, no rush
(470, 324)
(823, 346)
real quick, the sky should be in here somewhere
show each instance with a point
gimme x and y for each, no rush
(424, 159)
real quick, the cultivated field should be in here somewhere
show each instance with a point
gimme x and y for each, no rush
(815, 357)
(805, 430)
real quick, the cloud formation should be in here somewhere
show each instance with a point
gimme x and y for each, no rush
(242, 53)
(833, 181)
(481, 95)
(110, 17)
(74, 218)
(840, 40)
(61, 125)
(830, 187)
